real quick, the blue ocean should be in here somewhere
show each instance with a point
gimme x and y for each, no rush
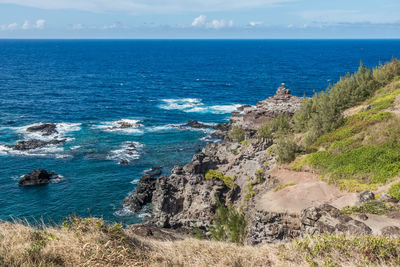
(88, 87)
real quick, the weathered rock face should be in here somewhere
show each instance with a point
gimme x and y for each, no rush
(327, 219)
(45, 129)
(253, 117)
(142, 195)
(267, 227)
(37, 177)
(34, 144)
(186, 198)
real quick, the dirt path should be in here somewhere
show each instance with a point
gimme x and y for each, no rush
(308, 191)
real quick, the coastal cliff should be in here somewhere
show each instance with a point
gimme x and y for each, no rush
(249, 171)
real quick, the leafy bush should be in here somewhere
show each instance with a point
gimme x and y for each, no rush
(212, 174)
(323, 112)
(237, 133)
(229, 224)
(394, 190)
(278, 126)
(260, 176)
(286, 149)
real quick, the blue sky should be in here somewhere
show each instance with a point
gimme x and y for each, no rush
(199, 19)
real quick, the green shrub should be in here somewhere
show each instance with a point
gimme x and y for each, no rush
(323, 112)
(228, 181)
(229, 224)
(371, 207)
(260, 176)
(278, 126)
(237, 134)
(394, 190)
(286, 149)
(265, 130)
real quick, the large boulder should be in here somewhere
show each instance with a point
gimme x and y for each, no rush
(37, 177)
(327, 219)
(366, 196)
(391, 231)
(387, 198)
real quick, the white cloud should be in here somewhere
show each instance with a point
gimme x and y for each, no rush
(9, 27)
(40, 23)
(255, 23)
(199, 21)
(146, 6)
(26, 25)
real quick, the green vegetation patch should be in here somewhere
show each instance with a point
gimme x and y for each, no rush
(280, 187)
(371, 164)
(394, 190)
(228, 181)
(371, 207)
(229, 224)
(237, 134)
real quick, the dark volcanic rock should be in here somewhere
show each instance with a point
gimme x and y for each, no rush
(46, 129)
(267, 227)
(327, 219)
(34, 144)
(37, 177)
(154, 171)
(142, 195)
(366, 196)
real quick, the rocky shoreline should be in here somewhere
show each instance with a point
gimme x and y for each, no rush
(187, 199)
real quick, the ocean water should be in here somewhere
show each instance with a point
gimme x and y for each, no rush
(86, 87)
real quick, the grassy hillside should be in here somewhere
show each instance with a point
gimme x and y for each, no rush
(91, 242)
(350, 133)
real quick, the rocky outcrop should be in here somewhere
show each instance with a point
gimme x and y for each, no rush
(268, 227)
(327, 219)
(45, 129)
(388, 198)
(366, 196)
(186, 198)
(34, 144)
(251, 118)
(37, 177)
(143, 194)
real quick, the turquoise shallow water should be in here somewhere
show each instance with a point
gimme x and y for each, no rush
(87, 86)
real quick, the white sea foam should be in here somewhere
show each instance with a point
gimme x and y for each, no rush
(63, 130)
(47, 151)
(128, 151)
(124, 211)
(115, 126)
(195, 105)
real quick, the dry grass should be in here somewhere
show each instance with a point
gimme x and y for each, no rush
(90, 242)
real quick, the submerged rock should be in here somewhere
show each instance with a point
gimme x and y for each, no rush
(37, 177)
(34, 144)
(46, 129)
